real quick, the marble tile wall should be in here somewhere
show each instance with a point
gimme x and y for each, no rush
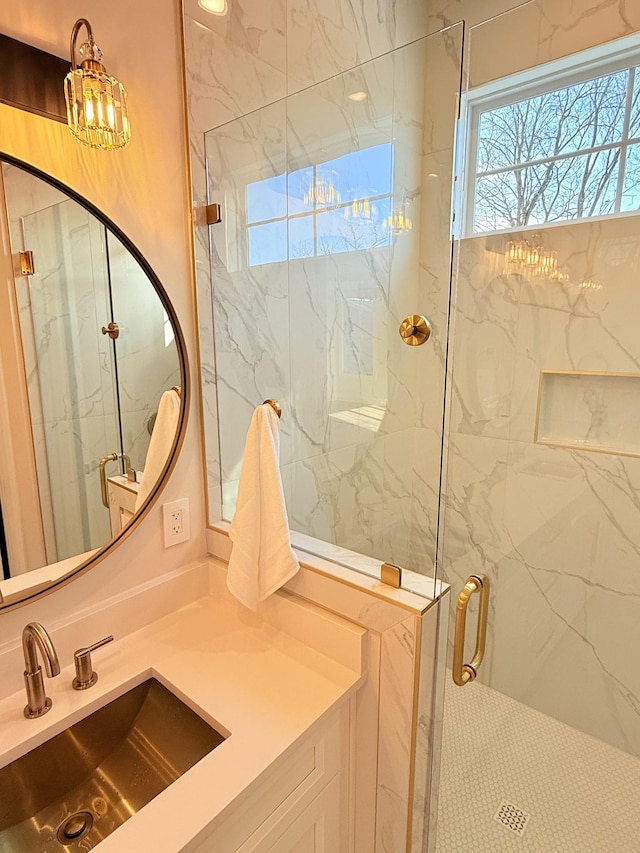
(350, 438)
(556, 529)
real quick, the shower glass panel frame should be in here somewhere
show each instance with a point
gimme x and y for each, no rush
(337, 225)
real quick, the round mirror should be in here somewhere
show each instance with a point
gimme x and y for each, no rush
(93, 384)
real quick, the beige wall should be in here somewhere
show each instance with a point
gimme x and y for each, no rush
(144, 190)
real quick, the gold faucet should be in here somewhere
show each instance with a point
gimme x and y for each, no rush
(34, 636)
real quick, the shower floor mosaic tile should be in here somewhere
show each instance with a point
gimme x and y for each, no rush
(514, 780)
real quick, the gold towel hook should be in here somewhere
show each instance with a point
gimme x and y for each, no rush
(275, 405)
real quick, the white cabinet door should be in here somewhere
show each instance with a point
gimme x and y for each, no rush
(317, 830)
(301, 805)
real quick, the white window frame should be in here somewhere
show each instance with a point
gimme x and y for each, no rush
(586, 65)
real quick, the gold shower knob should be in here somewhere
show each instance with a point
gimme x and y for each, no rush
(415, 330)
(112, 329)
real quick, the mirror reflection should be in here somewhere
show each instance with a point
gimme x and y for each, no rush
(98, 369)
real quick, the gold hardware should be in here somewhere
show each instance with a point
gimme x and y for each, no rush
(275, 405)
(415, 330)
(113, 330)
(391, 575)
(113, 457)
(213, 214)
(26, 262)
(462, 673)
(97, 112)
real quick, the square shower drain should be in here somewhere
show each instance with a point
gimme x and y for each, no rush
(512, 817)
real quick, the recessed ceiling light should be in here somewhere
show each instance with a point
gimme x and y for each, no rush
(216, 7)
(358, 96)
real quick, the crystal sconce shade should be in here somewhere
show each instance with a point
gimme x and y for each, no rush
(361, 211)
(534, 260)
(96, 102)
(399, 220)
(322, 191)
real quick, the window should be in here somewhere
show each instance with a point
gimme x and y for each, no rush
(561, 148)
(340, 205)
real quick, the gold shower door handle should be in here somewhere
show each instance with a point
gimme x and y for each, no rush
(112, 457)
(462, 673)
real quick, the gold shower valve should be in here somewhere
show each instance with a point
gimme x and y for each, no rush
(112, 329)
(415, 330)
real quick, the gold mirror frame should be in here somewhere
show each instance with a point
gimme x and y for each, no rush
(181, 350)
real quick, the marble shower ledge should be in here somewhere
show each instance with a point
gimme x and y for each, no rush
(418, 592)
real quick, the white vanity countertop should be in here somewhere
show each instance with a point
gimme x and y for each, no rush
(241, 673)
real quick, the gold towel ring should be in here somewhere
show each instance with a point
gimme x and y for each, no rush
(275, 405)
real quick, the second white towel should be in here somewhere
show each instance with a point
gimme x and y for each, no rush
(262, 559)
(160, 444)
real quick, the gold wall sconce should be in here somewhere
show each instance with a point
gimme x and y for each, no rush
(96, 103)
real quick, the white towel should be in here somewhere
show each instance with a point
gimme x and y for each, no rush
(262, 559)
(162, 438)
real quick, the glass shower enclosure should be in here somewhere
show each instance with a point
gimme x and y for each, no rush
(542, 483)
(505, 447)
(337, 204)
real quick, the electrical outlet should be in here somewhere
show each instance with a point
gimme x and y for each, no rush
(176, 522)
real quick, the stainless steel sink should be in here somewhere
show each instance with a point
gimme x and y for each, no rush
(75, 789)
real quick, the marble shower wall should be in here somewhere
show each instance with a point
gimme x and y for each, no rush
(557, 529)
(319, 332)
